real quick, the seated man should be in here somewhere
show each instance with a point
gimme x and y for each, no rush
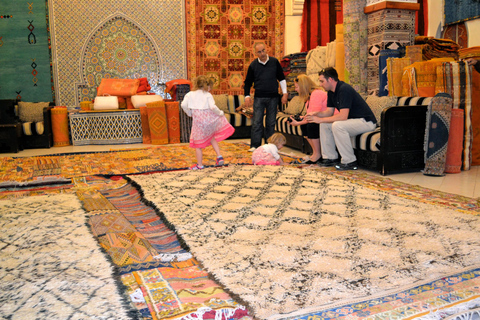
(354, 117)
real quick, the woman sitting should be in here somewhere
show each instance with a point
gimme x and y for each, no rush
(315, 99)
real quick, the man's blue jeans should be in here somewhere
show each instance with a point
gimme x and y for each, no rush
(261, 107)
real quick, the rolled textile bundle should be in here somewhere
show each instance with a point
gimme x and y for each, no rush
(59, 117)
(340, 60)
(453, 162)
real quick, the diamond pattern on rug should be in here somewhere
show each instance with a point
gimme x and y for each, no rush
(338, 241)
(50, 266)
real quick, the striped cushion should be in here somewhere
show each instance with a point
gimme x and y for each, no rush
(238, 120)
(33, 128)
(235, 101)
(283, 126)
(367, 141)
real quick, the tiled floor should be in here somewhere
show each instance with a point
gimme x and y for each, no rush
(466, 183)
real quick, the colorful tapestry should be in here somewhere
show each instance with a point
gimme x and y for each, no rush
(453, 161)
(457, 32)
(414, 52)
(146, 221)
(60, 131)
(122, 40)
(221, 38)
(173, 120)
(395, 73)
(355, 30)
(461, 10)
(28, 170)
(111, 222)
(319, 18)
(383, 56)
(25, 57)
(436, 134)
(420, 78)
(157, 122)
(387, 30)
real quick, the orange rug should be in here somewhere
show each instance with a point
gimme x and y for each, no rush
(157, 121)
(173, 120)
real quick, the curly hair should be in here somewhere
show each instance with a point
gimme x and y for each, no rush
(202, 82)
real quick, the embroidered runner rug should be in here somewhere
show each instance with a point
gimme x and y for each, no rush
(290, 242)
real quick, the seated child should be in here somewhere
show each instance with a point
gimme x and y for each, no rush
(268, 153)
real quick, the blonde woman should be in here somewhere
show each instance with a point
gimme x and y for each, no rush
(209, 124)
(315, 100)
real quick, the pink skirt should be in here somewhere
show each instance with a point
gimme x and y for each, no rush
(261, 157)
(207, 125)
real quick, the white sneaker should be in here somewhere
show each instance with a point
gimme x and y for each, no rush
(252, 149)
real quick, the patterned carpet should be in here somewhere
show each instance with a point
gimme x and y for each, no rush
(156, 269)
(61, 168)
(346, 251)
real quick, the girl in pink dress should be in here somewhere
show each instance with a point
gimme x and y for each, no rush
(209, 124)
(268, 153)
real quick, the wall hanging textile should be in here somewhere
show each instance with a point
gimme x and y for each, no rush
(25, 57)
(461, 10)
(120, 40)
(221, 38)
(319, 18)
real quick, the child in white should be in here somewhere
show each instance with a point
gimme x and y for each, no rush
(267, 154)
(209, 124)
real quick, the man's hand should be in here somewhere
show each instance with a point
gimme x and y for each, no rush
(285, 98)
(248, 102)
(313, 119)
(471, 61)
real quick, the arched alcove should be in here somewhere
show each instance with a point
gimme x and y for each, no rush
(118, 48)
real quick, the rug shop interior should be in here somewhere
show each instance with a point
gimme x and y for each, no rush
(100, 217)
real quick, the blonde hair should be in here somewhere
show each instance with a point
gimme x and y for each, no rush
(202, 82)
(277, 138)
(305, 86)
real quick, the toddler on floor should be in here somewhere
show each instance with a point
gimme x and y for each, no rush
(209, 124)
(268, 153)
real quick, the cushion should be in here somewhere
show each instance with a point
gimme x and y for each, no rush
(118, 87)
(142, 100)
(31, 111)
(221, 101)
(143, 85)
(294, 106)
(378, 104)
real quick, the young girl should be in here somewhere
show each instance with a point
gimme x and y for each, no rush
(268, 153)
(209, 124)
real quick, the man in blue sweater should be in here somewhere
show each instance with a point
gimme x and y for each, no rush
(265, 73)
(354, 117)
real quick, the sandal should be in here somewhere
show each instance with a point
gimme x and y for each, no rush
(219, 162)
(196, 167)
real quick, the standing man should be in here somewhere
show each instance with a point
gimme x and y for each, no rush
(264, 73)
(354, 117)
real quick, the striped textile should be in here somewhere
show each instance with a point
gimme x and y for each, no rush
(283, 126)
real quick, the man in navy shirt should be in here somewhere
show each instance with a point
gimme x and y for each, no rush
(354, 117)
(265, 73)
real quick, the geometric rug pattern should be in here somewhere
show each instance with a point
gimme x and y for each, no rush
(50, 265)
(221, 38)
(290, 243)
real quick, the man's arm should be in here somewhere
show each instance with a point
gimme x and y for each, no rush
(328, 116)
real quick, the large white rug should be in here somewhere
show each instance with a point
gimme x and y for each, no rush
(285, 240)
(50, 265)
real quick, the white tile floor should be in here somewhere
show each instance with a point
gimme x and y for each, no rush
(466, 183)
